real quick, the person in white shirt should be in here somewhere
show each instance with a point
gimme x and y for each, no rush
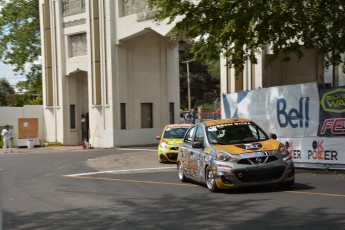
(7, 134)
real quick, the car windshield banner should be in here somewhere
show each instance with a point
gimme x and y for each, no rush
(332, 112)
(288, 111)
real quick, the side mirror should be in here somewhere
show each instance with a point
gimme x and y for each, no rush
(197, 145)
(158, 137)
(274, 136)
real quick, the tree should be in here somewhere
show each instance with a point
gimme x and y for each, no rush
(239, 29)
(5, 90)
(204, 80)
(20, 44)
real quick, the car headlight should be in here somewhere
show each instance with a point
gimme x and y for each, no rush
(224, 156)
(164, 145)
(282, 149)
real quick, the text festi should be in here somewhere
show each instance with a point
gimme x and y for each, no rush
(317, 152)
(335, 125)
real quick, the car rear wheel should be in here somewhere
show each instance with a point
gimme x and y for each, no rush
(210, 181)
(181, 172)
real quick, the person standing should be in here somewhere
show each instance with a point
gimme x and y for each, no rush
(182, 120)
(7, 134)
(189, 118)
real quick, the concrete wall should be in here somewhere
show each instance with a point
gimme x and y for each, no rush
(10, 115)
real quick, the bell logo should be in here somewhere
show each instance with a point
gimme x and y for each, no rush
(295, 117)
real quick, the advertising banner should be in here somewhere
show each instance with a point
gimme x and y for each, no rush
(325, 151)
(288, 111)
(332, 112)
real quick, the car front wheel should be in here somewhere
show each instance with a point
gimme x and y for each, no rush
(181, 172)
(210, 181)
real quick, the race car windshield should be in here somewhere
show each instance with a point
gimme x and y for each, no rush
(175, 132)
(235, 133)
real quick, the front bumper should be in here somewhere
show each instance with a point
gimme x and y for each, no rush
(168, 154)
(227, 177)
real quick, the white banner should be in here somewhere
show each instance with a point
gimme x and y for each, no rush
(322, 150)
(288, 111)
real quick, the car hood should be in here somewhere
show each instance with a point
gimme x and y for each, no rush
(174, 141)
(249, 147)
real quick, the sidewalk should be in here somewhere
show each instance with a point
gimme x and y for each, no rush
(43, 149)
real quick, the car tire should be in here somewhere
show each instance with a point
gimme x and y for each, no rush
(286, 184)
(160, 159)
(180, 171)
(210, 181)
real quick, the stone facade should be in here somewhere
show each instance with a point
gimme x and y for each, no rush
(108, 64)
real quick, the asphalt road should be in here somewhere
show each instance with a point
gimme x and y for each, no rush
(70, 188)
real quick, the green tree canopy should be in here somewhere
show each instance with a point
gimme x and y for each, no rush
(204, 80)
(239, 29)
(5, 90)
(20, 44)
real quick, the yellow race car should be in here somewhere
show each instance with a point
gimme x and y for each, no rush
(231, 153)
(170, 140)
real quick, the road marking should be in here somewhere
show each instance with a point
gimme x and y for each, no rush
(153, 150)
(133, 181)
(318, 193)
(117, 171)
(88, 176)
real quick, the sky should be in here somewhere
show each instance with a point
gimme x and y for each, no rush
(6, 72)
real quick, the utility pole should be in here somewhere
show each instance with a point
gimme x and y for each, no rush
(188, 82)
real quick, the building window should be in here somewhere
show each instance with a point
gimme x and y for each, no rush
(146, 115)
(123, 115)
(171, 113)
(72, 116)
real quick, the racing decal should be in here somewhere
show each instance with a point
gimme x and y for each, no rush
(254, 154)
(251, 146)
(224, 168)
(179, 125)
(214, 128)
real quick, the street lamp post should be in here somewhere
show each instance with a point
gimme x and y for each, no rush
(188, 82)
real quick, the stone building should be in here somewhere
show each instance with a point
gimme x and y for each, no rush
(310, 68)
(110, 73)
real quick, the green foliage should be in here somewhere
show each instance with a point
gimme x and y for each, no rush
(5, 87)
(8, 97)
(5, 90)
(20, 43)
(213, 68)
(207, 106)
(239, 29)
(204, 86)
